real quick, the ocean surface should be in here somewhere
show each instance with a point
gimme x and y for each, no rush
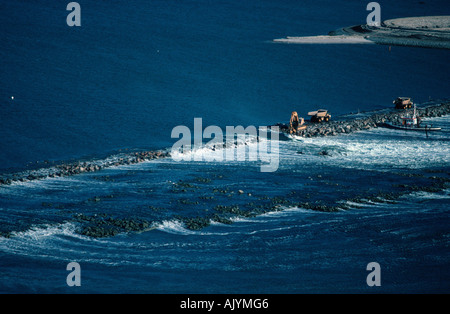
(133, 71)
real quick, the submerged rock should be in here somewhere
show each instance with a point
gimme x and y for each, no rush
(196, 223)
(100, 226)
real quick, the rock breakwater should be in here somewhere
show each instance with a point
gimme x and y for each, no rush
(365, 121)
(342, 125)
(74, 168)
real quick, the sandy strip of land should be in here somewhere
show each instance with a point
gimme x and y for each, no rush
(425, 31)
(324, 39)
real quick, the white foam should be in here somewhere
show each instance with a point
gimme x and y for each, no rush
(39, 241)
(174, 226)
(444, 195)
(241, 149)
(36, 233)
(283, 210)
(380, 148)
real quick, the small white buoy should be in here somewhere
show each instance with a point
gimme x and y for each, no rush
(12, 97)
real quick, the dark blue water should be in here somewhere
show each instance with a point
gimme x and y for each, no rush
(132, 72)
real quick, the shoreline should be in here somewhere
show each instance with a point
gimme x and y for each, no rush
(424, 32)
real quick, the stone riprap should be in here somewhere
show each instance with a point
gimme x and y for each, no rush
(365, 121)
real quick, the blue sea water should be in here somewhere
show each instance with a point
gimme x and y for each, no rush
(134, 71)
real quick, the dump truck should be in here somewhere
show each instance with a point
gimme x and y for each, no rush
(403, 103)
(319, 115)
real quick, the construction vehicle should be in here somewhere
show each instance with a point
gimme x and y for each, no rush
(296, 123)
(403, 103)
(320, 115)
